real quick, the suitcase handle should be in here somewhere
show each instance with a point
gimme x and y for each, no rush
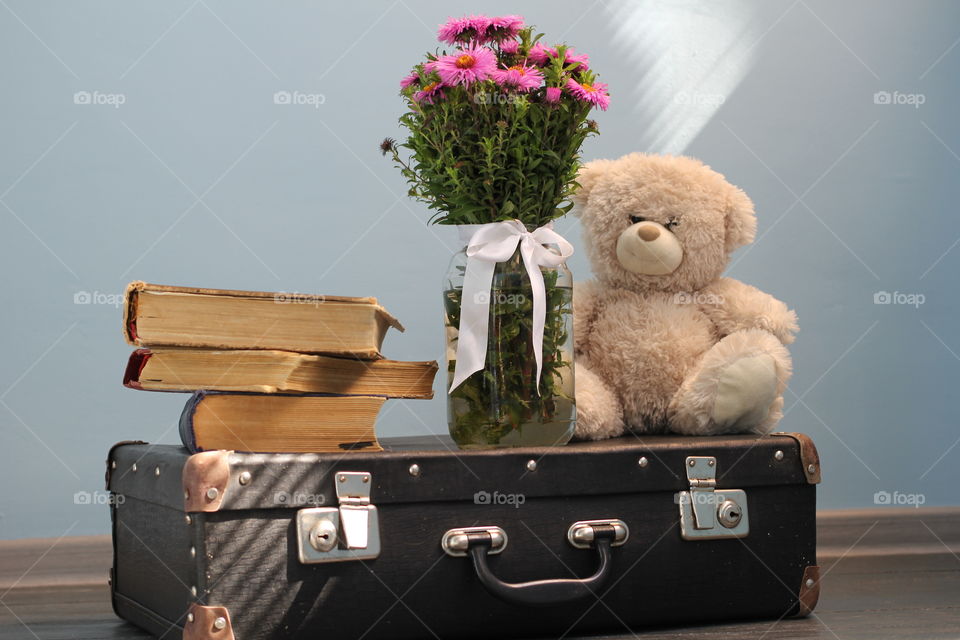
(478, 542)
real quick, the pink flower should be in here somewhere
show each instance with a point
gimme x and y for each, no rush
(522, 77)
(451, 30)
(595, 94)
(503, 27)
(466, 66)
(582, 59)
(538, 54)
(430, 93)
(464, 29)
(409, 80)
(553, 95)
(509, 46)
(480, 25)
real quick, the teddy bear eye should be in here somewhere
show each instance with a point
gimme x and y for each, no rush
(636, 219)
(673, 222)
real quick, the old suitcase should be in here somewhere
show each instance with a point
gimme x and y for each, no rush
(425, 541)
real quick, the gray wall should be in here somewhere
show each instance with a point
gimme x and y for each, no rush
(199, 178)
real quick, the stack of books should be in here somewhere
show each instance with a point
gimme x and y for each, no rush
(269, 372)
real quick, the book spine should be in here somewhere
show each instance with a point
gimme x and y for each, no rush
(136, 363)
(187, 435)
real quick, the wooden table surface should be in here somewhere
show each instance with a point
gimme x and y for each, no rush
(887, 573)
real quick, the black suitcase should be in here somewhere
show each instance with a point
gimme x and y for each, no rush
(423, 540)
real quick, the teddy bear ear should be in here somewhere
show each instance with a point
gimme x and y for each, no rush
(741, 221)
(588, 177)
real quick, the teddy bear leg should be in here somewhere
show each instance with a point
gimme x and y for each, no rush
(736, 387)
(599, 414)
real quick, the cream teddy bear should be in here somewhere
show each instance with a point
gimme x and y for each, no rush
(663, 342)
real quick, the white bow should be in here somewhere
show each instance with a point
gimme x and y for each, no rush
(488, 244)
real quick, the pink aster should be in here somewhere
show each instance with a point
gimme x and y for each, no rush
(519, 76)
(503, 27)
(466, 66)
(582, 60)
(409, 80)
(538, 54)
(480, 25)
(553, 95)
(430, 93)
(463, 29)
(452, 28)
(595, 94)
(509, 46)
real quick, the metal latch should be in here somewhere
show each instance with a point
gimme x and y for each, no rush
(349, 532)
(707, 512)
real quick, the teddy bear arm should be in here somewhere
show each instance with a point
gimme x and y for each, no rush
(734, 306)
(585, 297)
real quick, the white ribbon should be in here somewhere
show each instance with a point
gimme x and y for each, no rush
(488, 244)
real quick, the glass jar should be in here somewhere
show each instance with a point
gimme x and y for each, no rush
(499, 406)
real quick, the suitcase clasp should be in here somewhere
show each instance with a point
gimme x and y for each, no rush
(348, 532)
(707, 512)
(353, 494)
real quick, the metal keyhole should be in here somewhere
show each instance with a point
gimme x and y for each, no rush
(323, 537)
(729, 514)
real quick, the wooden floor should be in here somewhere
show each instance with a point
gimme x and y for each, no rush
(887, 573)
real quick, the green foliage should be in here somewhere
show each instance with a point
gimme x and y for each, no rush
(487, 162)
(502, 398)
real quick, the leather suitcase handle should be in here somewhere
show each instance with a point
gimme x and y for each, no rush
(543, 592)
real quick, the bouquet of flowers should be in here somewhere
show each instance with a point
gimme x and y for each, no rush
(496, 124)
(495, 128)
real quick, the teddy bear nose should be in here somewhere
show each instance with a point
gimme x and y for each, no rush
(648, 233)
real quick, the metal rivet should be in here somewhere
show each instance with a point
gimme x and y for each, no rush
(245, 478)
(710, 463)
(212, 493)
(113, 465)
(193, 552)
(193, 590)
(342, 478)
(156, 471)
(189, 617)
(366, 479)
(692, 463)
(414, 470)
(778, 455)
(134, 467)
(188, 519)
(809, 582)
(531, 465)
(220, 623)
(643, 461)
(811, 468)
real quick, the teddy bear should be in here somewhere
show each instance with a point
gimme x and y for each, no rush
(663, 343)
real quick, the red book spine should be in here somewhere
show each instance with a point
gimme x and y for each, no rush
(138, 359)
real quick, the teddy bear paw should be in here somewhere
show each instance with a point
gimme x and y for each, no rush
(746, 389)
(737, 387)
(599, 413)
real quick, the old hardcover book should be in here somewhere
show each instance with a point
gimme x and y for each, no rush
(271, 371)
(159, 315)
(262, 423)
